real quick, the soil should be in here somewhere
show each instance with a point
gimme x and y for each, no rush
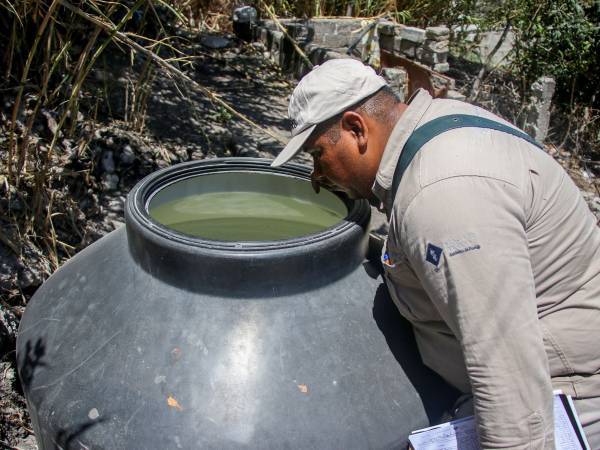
(111, 152)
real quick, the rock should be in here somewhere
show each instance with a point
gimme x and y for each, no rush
(29, 276)
(115, 205)
(110, 181)
(215, 42)
(441, 67)
(436, 46)
(248, 152)
(127, 155)
(8, 330)
(259, 46)
(440, 33)
(28, 443)
(455, 95)
(107, 162)
(412, 34)
(395, 75)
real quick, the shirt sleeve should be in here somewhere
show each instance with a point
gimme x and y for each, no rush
(465, 238)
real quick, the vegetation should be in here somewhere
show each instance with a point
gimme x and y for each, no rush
(56, 58)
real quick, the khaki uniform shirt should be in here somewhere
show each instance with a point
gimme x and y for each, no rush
(494, 257)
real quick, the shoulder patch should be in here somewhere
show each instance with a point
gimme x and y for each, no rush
(433, 254)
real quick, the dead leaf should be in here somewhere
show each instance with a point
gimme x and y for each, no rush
(303, 388)
(174, 403)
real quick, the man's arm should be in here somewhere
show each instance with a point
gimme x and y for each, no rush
(465, 238)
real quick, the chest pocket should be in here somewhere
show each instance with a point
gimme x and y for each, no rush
(405, 288)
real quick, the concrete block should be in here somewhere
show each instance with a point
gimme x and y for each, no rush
(468, 33)
(333, 54)
(488, 42)
(436, 46)
(277, 48)
(538, 110)
(440, 33)
(543, 88)
(334, 33)
(412, 34)
(387, 28)
(408, 48)
(299, 32)
(265, 36)
(318, 55)
(269, 25)
(441, 67)
(386, 42)
(432, 58)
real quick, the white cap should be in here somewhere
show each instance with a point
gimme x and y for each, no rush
(324, 92)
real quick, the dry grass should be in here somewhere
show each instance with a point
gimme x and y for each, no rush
(53, 46)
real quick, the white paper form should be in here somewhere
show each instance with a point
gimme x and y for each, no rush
(462, 434)
(565, 437)
(447, 436)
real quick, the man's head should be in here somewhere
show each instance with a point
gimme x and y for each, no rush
(343, 114)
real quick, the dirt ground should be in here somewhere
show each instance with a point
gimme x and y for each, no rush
(95, 176)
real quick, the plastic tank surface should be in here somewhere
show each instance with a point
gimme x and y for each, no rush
(156, 337)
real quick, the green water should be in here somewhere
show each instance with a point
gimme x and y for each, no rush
(245, 216)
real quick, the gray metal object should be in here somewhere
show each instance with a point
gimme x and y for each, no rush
(150, 339)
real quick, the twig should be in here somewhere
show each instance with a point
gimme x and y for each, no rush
(488, 60)
(170, 68)
(285, 33)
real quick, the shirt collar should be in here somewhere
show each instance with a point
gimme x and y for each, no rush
(406, 124)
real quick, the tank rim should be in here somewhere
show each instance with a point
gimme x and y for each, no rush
(141, 194)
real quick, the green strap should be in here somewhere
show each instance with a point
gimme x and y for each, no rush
(427, 132)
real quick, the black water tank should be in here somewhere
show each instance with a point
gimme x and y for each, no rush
(153, 339)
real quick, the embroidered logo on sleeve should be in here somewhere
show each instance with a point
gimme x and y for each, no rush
(433, 254)
(461, 245)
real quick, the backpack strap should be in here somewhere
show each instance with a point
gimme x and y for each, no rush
(427, 132)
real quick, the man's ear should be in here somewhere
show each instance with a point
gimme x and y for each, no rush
(355, 124)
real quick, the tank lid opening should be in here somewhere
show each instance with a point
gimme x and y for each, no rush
(244, 206)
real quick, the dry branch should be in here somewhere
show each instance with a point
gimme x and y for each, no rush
(168, 67)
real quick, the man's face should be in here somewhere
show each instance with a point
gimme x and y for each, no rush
(341, 161)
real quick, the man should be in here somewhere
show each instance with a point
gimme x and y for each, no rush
(492, 254)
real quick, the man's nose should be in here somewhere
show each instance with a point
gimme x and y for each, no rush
(315, 179)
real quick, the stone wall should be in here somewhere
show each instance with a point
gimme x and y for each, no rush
(427, 46)
(325, 39)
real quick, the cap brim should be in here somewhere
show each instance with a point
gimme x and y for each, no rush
(293, 147)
